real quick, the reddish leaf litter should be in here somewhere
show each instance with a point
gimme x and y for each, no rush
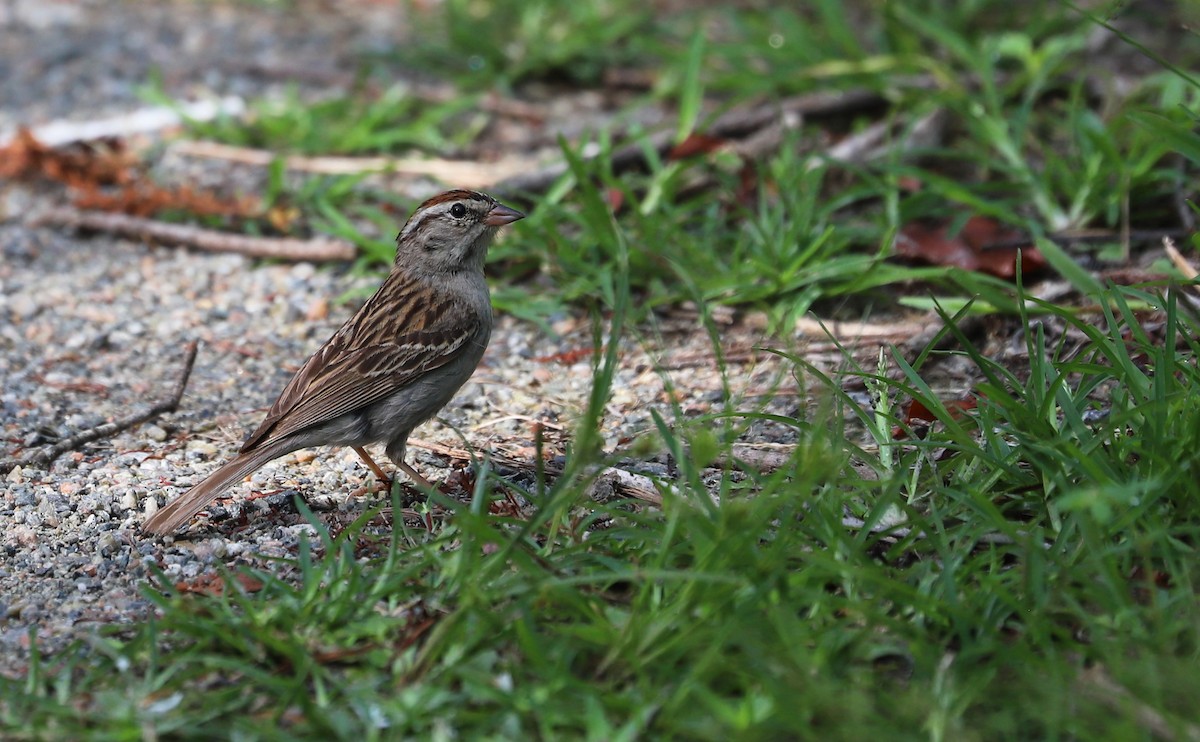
(695, 144)
(918, 416)
(982, 244)
(106, 177)
(79, 165)
(214, 584)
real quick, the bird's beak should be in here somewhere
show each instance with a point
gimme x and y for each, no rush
(501, 215)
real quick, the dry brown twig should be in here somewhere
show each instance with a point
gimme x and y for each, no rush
(622, 482)
(1181, 263)
(741, 123)
(762, 458)
(148, 120)
(462, 173)
(1097, 683)
(851, 332)
(43, 457)
(878, 140)
(280, 248)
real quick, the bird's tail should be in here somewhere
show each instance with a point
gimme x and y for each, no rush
(181, 509)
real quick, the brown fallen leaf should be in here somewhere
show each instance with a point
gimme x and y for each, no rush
(107, 178)
(145, 199)
(568, 357)
(918, 414)
(695, 144)
(283, 218)
(214, 585)
(615, 199)
(982, 244)
(80, 164)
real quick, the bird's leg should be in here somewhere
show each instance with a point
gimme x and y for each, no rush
(370, 462)
(412, 473)
(401, 465)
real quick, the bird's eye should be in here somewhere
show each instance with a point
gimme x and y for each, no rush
(458, 211)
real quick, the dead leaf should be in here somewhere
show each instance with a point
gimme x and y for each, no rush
(695, 144)
(146, 199)
(918, 415)
(214, 584)
(283, 218)
(747, 193)
(104, 162)
(983, 244)
(615, 199)
(567, 357)
(108, 178)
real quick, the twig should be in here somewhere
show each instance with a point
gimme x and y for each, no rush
(756, 457)
(461, 173)
(891, 532)
(281, 248)
(969, 326)
(141, 121)
(873, 142)
(433, 92)
(1088, 237)
(1181, 263)
(739, 123)
(708, 358)
(44, 456)
(524, 418)
(852, 331)
(625, 483)
(1096, 683)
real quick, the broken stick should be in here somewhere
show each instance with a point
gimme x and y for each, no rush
(620, 481)
(43, 457)
(280, 248)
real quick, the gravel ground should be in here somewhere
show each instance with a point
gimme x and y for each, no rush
(93, 328)
(80, 59)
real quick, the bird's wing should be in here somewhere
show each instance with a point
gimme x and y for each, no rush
(371, 357)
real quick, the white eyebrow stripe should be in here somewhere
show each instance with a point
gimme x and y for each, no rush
(430, 211)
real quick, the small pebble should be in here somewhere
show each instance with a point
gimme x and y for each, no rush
(203, 448)
(107, 544)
